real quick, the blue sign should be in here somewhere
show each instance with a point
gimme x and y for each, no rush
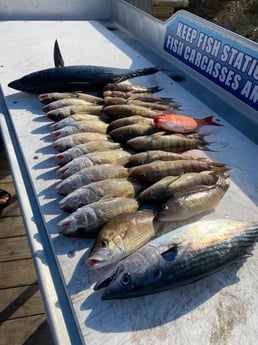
(222, 60)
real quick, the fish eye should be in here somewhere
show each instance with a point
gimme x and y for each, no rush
(126, 279)
(103, 243)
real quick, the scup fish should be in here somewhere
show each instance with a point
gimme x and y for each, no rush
(128, 87)
(154, 106)
(95, 191)
(61, 113)
(55, 96)
(170, 186)
(149, 97)
(154, 171)
(171, 143)
(83, 149)
(125, 133)
(74, 118)
(71, 140)
(74, 78)
(179, 257)
(182, 123)
(121, 236)
(126, 121)
(91, 217)
(81, 127)
(120, 157)
(154, 155)
(91, 174)
(114, 100)
(115, 112)
(190, 204)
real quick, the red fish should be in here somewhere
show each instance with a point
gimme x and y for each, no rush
(182, 123)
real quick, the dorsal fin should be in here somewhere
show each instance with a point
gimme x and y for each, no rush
(58, 59)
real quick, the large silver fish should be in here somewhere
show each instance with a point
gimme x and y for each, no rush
(179, 257)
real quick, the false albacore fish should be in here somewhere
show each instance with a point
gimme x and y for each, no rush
(74, 78)
(179, 257)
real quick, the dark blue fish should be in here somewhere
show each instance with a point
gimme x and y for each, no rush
(74, 78)
(179, 257)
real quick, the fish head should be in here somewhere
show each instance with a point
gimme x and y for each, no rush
(109, 245)
(131, 277)
(29, 82)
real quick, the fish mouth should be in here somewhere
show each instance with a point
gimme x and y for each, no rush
(107, 281)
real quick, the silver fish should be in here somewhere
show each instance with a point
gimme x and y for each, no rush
(82, 149)
(91, 174)
(91, 217)
(95, 191)
(120, 157)
(179, 257)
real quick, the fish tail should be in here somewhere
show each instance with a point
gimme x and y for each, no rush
(208, 121)
(139, 72)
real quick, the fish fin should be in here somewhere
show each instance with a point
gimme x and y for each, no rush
(171, 253)
(209, 121)
(58, 59)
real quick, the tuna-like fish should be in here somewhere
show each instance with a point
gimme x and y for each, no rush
(91, 217)
(95, 191)
(179, 257)
(121, 236)
(74, 78)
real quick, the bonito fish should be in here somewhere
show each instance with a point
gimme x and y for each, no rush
(179, 257)
(91, 217)
(74, 78)
(121, 236)
(95, 191)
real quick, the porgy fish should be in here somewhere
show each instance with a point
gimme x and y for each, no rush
(121, 236)
(120, 157)
(91, 217)
(95, 191)
(170, 186)
(190, 204)
(83, 149)
(91, 174)
(154, 171)
(179, 257)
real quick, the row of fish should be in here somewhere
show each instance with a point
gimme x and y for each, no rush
(118, 152)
